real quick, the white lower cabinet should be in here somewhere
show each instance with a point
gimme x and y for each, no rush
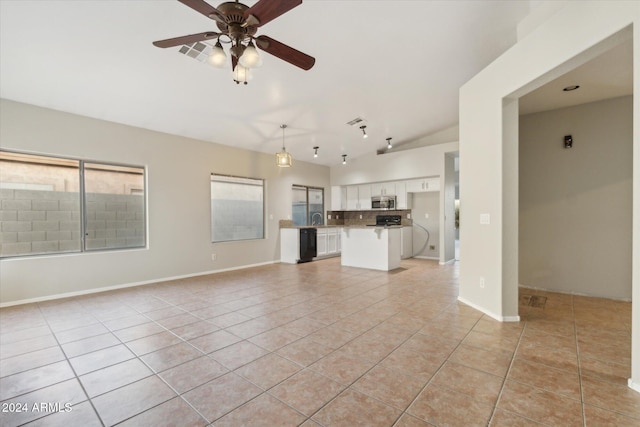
(321, 236)
(331, 240)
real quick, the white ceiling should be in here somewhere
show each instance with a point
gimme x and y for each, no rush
(607, 76)
(396, 64)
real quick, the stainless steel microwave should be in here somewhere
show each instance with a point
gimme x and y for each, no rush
(383, 202)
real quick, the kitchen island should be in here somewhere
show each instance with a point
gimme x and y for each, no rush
(378, 248)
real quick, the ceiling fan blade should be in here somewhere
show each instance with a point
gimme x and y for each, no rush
(284, 52)
(177, 41)
(204, 8)
(267, 10)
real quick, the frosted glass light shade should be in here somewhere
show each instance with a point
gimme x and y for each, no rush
(218, 58)
(250, 57)
(242, 74)
(283, 159)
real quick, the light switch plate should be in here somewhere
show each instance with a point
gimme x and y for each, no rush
(485, 219)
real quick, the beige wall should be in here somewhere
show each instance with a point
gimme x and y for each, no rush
(575, 204)
(489, 149)
(178, 203)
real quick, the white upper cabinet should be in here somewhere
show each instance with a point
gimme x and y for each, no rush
(352, 198)
(403, 200)
(364, 196)
(423, 185)
(383, 189)
(358, 197)
(338, 198)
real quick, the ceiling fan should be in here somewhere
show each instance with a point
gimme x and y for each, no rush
(237, 25)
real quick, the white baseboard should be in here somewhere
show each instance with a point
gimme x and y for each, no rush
(426, 257)
(489, 313)
(128, 285)
(633, 386)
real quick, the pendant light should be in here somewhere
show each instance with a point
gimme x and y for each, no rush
(389, 146)
(315, 152)
(344, 159)
(283, 159)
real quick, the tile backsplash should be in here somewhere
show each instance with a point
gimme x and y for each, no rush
(368, 217)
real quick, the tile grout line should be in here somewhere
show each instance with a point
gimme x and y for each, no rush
(66, 358)
(579, 361)
(504, 381)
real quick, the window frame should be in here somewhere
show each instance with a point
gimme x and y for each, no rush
(309, 221)
(82, 199)
(262, 186)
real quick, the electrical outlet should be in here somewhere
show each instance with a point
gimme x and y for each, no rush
(408, 216)
(360, 216)
(328, 216)
(481, 282)
(426, 216)
(214, 257)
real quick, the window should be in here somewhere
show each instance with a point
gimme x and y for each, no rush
(307, 206)
(237, 208)
(54, 205)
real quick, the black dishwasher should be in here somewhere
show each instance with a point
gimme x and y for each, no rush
(308, 244)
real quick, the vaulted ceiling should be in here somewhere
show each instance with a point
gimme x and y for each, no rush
(395, 64)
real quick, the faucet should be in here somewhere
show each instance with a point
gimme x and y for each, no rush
(313, 222)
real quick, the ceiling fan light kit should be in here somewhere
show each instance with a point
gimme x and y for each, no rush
(237, 24)
(218, 58)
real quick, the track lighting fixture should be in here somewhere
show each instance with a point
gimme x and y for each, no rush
(389, 146)
(344, 159)
(315, 152)
(283, 159)
(364, 132)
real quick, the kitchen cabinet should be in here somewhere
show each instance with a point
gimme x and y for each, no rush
(338, 198)
(423, 185)
(328, 239)
(322, 241)
(358, 197)
(332, 242)
(364, 196)
(383, 189)
(403, 200)
(377, 248)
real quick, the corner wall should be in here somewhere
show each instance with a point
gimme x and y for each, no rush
(575, 204)
(488, 149)
(178, 203)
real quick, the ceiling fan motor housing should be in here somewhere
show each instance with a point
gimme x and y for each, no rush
(233, 13)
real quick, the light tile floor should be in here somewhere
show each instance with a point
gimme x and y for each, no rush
(314, 344)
